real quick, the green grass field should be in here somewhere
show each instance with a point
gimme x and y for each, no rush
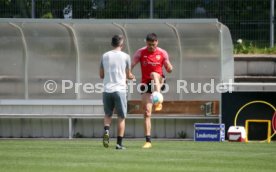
(170, 155)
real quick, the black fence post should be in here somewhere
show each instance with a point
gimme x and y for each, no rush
(33, 9)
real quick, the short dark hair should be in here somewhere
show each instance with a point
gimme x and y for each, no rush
(151, 37)
(117, 40)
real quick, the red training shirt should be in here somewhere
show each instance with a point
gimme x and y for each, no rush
(150, 62)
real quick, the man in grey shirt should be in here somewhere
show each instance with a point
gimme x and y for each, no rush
(115, 70)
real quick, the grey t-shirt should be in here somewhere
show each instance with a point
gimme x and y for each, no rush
(115, 64)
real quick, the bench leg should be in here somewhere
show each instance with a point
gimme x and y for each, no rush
(70, 128)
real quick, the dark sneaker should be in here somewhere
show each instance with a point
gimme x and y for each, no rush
(106, 139)
(120, 147)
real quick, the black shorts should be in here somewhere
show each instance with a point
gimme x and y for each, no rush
(148, 88)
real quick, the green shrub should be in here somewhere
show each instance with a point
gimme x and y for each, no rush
(48, 15)
(248, 47)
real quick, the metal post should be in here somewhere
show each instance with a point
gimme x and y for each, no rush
(271, 23)
(33, 9)
(221, 70)
(75, 41)
(26, 60)
(151, 9)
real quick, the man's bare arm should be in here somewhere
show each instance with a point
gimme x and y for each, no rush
(136, 59)
(168, 66)
(101, 73)
(133, 64)
(129, 75)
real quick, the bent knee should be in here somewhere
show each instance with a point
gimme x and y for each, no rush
(147, 113)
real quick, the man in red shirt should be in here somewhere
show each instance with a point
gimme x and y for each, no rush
(152, 59)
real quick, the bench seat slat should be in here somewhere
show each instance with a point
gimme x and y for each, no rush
(176, 107)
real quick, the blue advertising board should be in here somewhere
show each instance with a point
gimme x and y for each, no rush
(209, 132)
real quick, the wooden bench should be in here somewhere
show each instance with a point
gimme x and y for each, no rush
(76, 109)
(179, 109)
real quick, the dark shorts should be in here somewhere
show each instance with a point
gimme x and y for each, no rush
(149, 88)
(115, 101)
